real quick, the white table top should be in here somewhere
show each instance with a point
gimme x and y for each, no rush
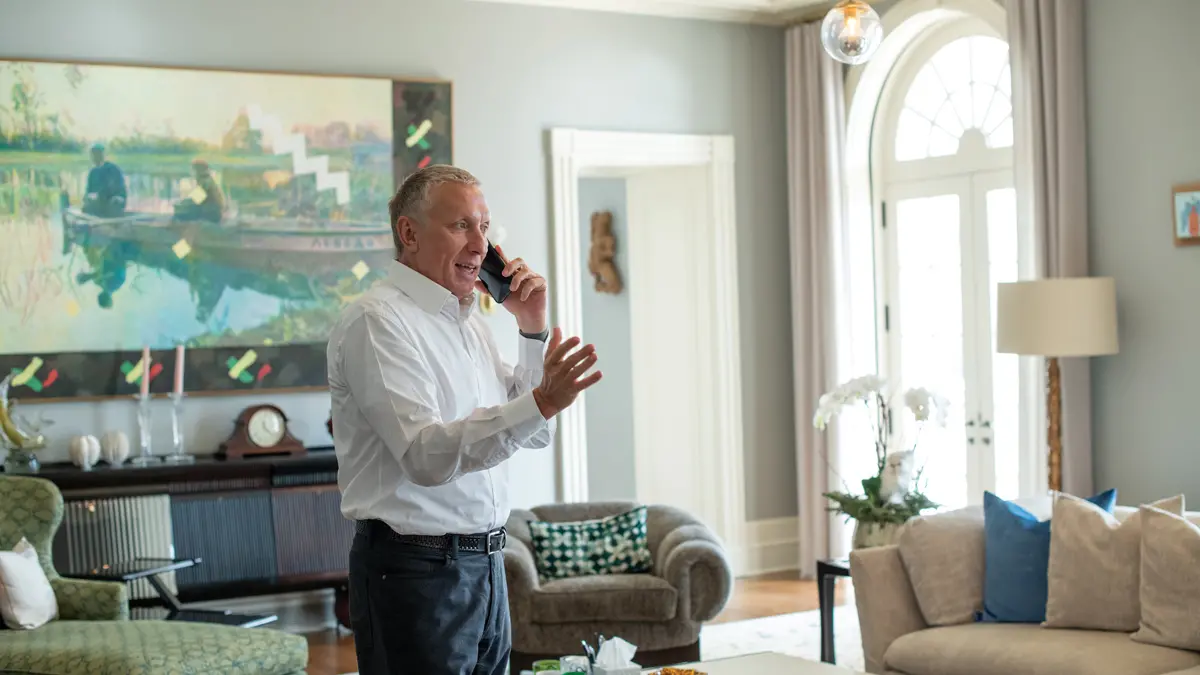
(767, 662)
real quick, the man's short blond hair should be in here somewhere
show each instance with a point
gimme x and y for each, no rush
(412, 199)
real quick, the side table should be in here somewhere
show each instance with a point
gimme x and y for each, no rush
(150, 568)
(828, 571)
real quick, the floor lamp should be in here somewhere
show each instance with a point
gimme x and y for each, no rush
(1056, 318)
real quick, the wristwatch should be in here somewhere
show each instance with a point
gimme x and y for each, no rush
(541, 337)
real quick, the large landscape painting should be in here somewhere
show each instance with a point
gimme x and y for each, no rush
(234, 213)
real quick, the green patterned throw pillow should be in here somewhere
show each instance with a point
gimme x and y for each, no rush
(613, 545)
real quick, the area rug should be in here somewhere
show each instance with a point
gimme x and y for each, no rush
(793, 634)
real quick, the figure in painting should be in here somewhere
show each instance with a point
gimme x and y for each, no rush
(600, 258)
(1194, 220)
(206, 202)
(109, 268)
(105, 194)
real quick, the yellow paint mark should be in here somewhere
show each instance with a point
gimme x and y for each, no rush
(72, 308)
(135, 372)
(420, 133)
(182, 248)
(360, 269)
(276, 177)
(243, 363)
(29, 371)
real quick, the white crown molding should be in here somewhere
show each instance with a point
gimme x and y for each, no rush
(772, 12)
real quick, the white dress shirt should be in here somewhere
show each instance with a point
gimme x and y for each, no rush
(425, 411)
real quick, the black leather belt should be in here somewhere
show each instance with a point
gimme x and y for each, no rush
(488, 542)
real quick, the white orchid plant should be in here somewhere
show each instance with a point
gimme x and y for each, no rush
(892, 495)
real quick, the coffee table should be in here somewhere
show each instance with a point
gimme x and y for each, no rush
(150, 568)
(766, 662)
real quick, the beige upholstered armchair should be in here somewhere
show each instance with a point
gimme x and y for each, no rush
(660, 612)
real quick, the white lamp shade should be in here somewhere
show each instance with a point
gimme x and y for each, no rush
(1057, 317)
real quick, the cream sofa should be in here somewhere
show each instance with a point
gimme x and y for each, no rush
(898, 640)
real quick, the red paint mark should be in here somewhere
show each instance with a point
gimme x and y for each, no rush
(263, 372)
(424, 162)
(50, 378)
(155, 370)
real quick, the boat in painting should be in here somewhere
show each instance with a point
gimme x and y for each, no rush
(262, 245)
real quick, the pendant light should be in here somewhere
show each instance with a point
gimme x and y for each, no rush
(851, 32)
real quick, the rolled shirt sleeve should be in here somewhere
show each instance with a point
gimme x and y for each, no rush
(522, 380)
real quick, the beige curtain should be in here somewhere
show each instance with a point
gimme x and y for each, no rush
(1047, 54)
(816, 149)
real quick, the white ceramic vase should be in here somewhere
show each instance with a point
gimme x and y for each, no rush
(84, 451)
(870, 535)
(114, 447)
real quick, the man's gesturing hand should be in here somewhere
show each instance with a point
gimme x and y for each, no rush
(562, 375)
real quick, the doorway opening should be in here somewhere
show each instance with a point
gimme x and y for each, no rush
(680, 398)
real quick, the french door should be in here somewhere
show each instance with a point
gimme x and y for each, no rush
(947, 243)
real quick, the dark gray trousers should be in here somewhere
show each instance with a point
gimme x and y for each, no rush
(420, 611)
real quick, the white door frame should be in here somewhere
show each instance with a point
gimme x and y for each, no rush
(577, 153)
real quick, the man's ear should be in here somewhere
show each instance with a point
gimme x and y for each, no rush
(407, 229)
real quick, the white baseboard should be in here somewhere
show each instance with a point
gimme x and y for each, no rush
(771, 545)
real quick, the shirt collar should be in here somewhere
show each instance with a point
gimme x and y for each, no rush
(429, 295)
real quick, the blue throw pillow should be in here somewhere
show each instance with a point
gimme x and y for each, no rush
(1016, 559)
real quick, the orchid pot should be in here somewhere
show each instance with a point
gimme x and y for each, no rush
(894, 494)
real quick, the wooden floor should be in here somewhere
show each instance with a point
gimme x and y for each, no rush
(331, 652)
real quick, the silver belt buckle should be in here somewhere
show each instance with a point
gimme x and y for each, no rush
(497, 536)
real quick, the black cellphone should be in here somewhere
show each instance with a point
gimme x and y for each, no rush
(490, 274)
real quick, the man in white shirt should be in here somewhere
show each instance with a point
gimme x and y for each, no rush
(425, 413)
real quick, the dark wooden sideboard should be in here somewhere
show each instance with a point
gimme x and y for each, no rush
(261, 525)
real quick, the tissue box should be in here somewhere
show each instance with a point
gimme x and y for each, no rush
(631, 669)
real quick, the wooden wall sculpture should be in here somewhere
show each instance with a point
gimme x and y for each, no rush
(600, 257)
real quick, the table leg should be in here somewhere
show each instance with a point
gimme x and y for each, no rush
(825, 593)
(341, 606)
(167, 596)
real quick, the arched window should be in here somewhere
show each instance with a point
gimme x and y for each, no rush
(942, 173)
(965, 86)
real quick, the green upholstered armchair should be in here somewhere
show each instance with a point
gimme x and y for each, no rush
(33, 508)
(93, 636)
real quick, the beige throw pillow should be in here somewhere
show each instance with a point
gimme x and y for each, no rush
(943, 555)
(26, 598)
(1094, 566)
(1170, 584)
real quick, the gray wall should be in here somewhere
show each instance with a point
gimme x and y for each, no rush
(1144, 137)
(517, 71)
(611, 473)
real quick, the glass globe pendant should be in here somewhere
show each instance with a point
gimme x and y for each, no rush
(851, 32)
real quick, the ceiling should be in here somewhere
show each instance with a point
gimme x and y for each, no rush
(750, 11)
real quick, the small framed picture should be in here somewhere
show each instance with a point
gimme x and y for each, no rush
(1186, 207)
